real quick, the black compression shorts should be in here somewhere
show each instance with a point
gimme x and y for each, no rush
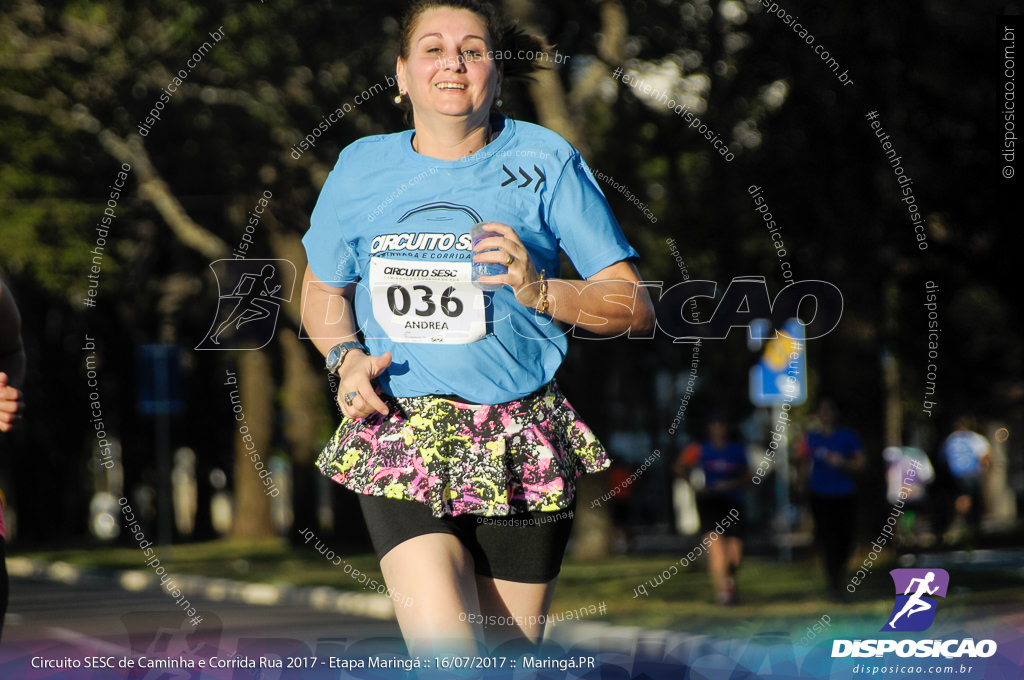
(525, 547)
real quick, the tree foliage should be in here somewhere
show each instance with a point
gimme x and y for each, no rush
(77, 78)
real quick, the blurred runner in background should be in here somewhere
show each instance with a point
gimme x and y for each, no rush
(968, 455)
(830, 458)
(723, 464)
(900, 460)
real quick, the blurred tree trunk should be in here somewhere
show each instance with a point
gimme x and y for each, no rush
(303, 422)
(256, 389)
(593, 526)
(891, 365)
(302, 394)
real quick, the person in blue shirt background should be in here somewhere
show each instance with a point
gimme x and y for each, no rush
(967, 454)
(451, 413)
(830, 459)
(726, 474)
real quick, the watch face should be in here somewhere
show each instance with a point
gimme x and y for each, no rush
(332, 357)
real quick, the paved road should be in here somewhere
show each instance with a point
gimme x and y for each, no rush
(54, 620)
(51, 623)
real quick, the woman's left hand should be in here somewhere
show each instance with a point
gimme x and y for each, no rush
(522, 276)
(609, 302)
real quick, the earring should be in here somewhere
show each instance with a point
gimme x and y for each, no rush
(398, 97)
(497, 102)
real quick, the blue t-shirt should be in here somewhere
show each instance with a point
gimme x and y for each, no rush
(827, 479)
(726, 464)
(397, 223)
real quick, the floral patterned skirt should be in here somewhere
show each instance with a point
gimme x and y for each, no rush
(459, 458)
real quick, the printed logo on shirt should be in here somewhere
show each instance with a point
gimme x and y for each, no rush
(421, 278)
(431, 240)
(524, 179)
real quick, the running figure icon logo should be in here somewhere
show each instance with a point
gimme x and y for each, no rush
(915, 605)
(250, 293)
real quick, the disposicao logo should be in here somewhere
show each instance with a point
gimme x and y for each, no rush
(246, 317)
(914, 611)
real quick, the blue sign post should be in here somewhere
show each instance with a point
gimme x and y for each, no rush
(781, 374)
(160, 396)
(779, 380)
(159, 379)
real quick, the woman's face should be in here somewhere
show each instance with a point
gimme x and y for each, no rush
(449, 71)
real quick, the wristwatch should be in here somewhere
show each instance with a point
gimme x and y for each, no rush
(338, 353)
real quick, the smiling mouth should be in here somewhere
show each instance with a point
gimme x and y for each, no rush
(450, 86)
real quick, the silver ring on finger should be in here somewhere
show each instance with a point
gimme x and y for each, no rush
(349, 397)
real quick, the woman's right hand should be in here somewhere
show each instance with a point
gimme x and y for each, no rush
(356, 374)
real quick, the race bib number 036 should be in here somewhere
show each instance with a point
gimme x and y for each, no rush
(417, 301)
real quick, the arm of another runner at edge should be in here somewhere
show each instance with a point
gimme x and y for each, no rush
(12, 360)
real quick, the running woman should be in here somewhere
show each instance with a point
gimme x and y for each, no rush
(451, 412)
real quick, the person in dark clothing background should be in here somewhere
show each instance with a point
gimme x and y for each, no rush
(12, 406)
(830, 459)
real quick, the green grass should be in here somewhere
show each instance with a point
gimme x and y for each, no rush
(774, 596)
(270, 561)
